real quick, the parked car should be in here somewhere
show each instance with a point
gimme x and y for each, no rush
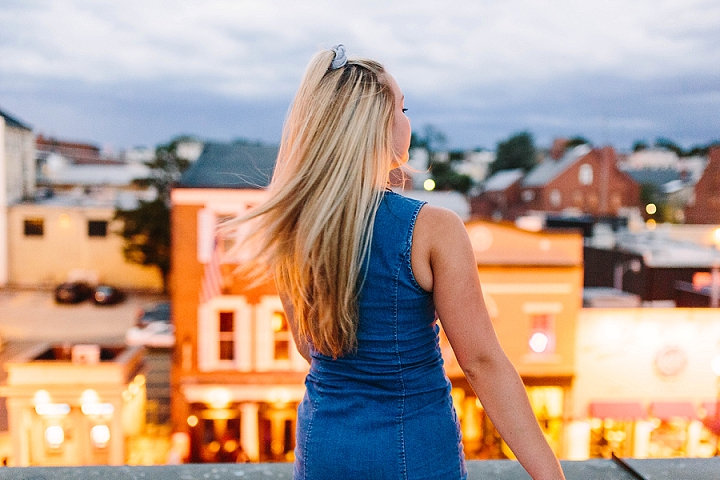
(107, 295)
(73, 292)
(154, 334)
(154, 312)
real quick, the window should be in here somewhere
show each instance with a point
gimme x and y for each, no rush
(97, 228)
(585, 174)
(555, 197)
(542, 334)
(226, 335)
(34, 227)
(528, 195)
(281, 333)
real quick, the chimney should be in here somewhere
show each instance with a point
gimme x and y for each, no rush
(558, 148)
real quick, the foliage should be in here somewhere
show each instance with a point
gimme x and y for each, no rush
(146, 229)
(446, 178)
(518, 151)
(431, 139)
(639, 145)
(575, 141)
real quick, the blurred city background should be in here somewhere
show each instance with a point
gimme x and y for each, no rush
(580, 143)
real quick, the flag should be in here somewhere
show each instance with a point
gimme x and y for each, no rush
(212, 279)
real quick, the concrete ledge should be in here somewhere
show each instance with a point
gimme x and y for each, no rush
(661, 469)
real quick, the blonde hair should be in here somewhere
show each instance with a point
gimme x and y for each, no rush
(314, 229)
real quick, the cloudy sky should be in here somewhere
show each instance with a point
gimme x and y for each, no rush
(139, 72)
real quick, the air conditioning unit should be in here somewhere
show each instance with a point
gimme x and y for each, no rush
(86, 354)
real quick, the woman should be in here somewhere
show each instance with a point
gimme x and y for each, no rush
(363, 272)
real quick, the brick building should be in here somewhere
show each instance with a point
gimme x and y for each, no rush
(704, 206)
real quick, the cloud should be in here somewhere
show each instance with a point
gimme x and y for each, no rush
(459, 62)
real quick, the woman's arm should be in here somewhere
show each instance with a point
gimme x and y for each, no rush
(461, 309)
(300, 343)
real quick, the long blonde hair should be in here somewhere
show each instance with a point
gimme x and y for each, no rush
(314, 229)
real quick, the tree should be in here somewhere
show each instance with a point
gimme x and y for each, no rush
(575, 141)
(669, 145)
(639, 145)
(446, 178)
(518, 151)
(146, 229)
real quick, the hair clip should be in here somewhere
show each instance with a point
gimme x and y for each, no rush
(340, 59)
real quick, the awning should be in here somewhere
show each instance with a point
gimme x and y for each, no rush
(668, 410)
(617, 410)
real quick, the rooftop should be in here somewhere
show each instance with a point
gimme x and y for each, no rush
(14, 122)
(231, 165)
(659, 469)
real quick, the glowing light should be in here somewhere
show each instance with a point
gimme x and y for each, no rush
(218, 398)
(89, 396)
(64, 220)
(715, 365)
(539, 342)
(54, 436)
(650, 224)
(429, 184)
(192, 420)
(98, 409)
(651, 208)
(100, 436)
(41, 396)
(716, 237)
(52, 409)
(278, 321)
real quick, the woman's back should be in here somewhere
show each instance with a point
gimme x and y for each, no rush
(384, 411)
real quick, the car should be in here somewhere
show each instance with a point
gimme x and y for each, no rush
(107, 295)
(154, 334)
(154, 312)
(73, 292)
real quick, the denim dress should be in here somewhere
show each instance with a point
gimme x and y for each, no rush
(384, 411)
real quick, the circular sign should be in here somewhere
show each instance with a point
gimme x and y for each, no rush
(671, 361)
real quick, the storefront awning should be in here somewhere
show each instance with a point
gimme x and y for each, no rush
(617, 410)
(668, 410)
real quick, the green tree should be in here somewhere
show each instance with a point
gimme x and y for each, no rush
(639, 145)
(446, 178)
(669, 145)
(575, 141)
(518, 151)
(146, 229)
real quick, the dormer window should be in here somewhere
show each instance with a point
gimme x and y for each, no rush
(585, 174)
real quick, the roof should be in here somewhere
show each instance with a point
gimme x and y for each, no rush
(231, 165)
(653, 176)
(503, 179)
(549, 169)
(14, 122)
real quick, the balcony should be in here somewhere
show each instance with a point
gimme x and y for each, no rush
(677, 468)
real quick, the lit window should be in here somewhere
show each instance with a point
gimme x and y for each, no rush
(555, 197)
(34, 227)
(542, 334)
(281, 334)
(585, 174)
(226, 335)
(54, 437)
(100, 436)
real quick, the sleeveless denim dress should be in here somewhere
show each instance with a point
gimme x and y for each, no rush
(385, 411)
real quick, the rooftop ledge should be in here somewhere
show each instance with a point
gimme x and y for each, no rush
(656, 469)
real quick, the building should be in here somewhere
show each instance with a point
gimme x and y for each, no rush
(532, 284)
(71, 235)
(500, 197)
(236, 377)
(74, 404)
(583, 180)
(704, 205)
(17, 175)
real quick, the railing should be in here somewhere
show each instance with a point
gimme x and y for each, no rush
(660, 469)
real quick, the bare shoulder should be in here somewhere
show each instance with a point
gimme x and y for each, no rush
(436, 226)
(437, 231)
